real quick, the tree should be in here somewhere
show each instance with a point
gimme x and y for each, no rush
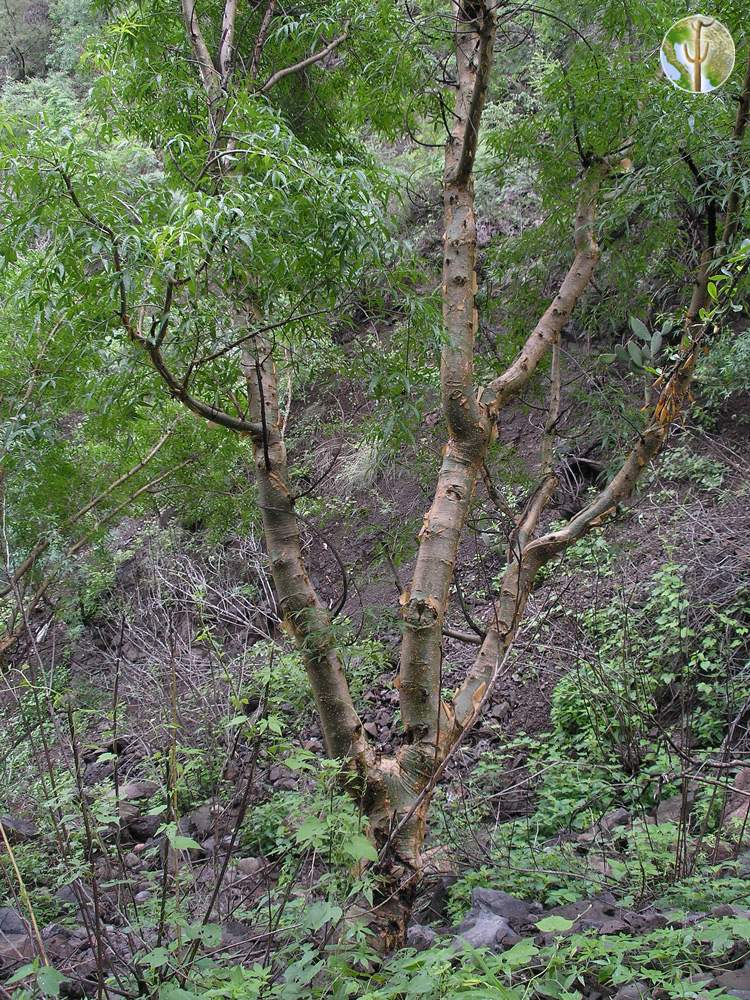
(207, 253)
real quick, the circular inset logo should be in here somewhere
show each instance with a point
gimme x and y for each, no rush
(697, 54)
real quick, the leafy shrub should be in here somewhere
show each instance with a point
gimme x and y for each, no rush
(683, 465)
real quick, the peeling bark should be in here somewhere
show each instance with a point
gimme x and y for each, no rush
(304, 613)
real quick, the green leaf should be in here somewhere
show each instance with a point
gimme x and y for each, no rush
(169, 992)
(309, 830)
(636, 355)
(211, 936)
(316, 915)
(554, 923)
(50, 980)
(23, 973)
(640, 329)
(156, 959)
(361, 849)
(520, 954)
(181, 843)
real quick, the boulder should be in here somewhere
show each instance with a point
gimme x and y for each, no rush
(517, 912)
(14, 950)
(600, 913)
(671, 810)
(434, 903)
(633, 991)
(736, 981)
(142, 828)
(737, 809)
(140, 789)
(250, 867)
(485, 930)
(618, 817)
(127, 812)
(200, 823)
(11, 921)
(18, 830)
(420, 937)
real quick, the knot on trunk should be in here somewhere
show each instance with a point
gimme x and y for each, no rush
(422, 613)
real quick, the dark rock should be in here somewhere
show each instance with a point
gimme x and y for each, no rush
(646, 920)
(15, 949)
(501, 712)
(213, 845)
(684, 919)
(670, 810)
(435, 901)
(420, 937)
(618, 817)
(11, 921)
(232, 932)
(486, 930)
(143, 827)
(599, 913)
(141, 789)
(737, 809)
(250, 867)
(98, 771)
(127, 812)
(201, 823)
(282, 778)
(633, 991)
(18, 830)
(736, 979)
(66, 894)
(517, 912)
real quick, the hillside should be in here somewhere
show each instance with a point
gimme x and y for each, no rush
(375, 470)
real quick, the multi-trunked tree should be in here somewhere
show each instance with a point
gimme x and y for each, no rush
(395, 791)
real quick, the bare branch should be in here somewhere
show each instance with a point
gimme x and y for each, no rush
(466, 130)
(303, 64)
(41, 547)
(557, 314)
(260, 41)
(208, 73)
(226, 48)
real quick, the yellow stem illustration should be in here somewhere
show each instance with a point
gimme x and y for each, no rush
(698, 57)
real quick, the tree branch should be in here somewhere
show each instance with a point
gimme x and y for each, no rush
(208, 73)
(260, 41)
(152, 347)
(467, 128)
(303, 64)
(557, 314)
(226, 47)
(41, 547)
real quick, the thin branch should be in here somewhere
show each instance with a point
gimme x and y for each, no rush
(260, 41)
(208, 73)
(575, 282)
(303, 64)
(41, 547)
(470, 126)
(226, 48)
